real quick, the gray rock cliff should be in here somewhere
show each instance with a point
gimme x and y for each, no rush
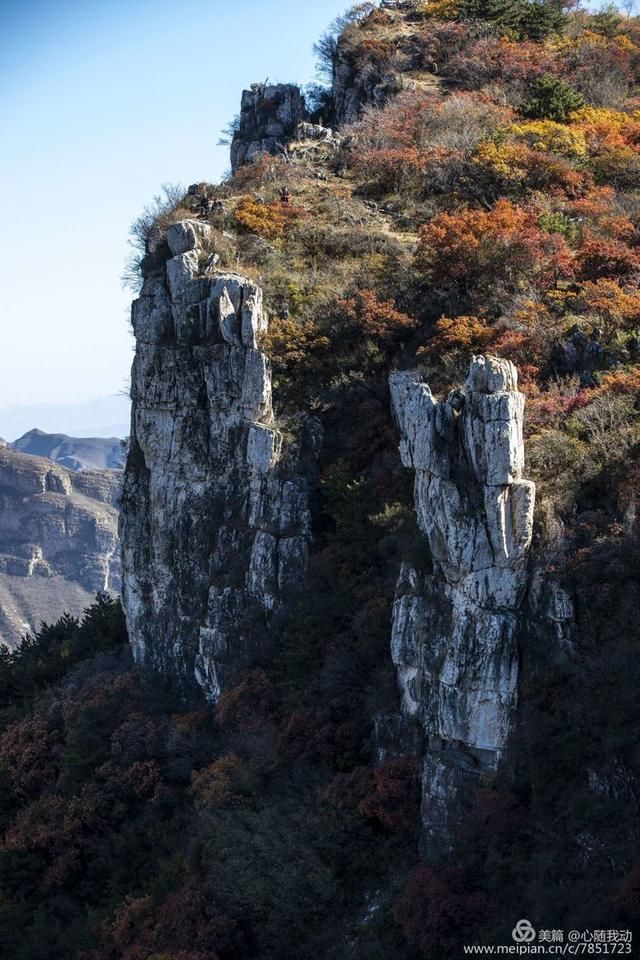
(216, 525)
(269, 118)
(58, 540)
(355, 88)
(455, 630)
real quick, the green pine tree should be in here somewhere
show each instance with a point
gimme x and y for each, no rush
(522, 19)
(541, 19)
(607, 21)
(506, 14)
(552, 99)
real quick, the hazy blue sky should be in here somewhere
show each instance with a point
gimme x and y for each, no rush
(100, 103)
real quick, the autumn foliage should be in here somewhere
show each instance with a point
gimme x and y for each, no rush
(487, 203)
(248, 705)
(268, 220)
(394, 800)
(437, 909)
(376, 319)
(485, 257)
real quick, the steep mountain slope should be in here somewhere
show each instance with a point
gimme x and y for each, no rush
(58, 540)
(430, 734)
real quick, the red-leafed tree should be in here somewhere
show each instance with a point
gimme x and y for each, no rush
(394, 801)
(487, 257)
(438, 909)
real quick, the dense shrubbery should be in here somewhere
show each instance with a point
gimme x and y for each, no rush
(43, 660)
(552, 99)
(525, 186)
(487, 258)
(135, 826)
(525, 19)
(269, 220)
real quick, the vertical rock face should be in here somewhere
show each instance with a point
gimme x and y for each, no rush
(215, 525)
(269, 118)
(454, 639)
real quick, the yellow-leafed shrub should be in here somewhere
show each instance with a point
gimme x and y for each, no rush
(612, 128)
(441, 9)
(268, 220)
(554, 137)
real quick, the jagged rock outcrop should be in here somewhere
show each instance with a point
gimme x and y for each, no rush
(58, 540)
(269, 118)
(455, 629)
(580, 354)
(317, 132)
(216, 524)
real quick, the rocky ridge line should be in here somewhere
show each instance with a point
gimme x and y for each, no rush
(75, 453)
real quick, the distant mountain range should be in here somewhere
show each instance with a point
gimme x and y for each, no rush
(101, 417)
(75, 453)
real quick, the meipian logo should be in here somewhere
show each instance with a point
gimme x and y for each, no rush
(523, 932)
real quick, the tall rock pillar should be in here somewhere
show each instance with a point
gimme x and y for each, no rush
(215, 521)
(454, 640)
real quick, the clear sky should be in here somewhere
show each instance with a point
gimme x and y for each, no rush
(101, 103)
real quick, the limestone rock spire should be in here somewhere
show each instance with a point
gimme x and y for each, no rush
(215, 522)
(454, 639)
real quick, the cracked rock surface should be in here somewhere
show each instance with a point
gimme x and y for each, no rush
(215, 524)
(269, 118)
(58, 540)
(454, 639)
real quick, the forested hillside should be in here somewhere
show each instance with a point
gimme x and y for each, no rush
(478, 192)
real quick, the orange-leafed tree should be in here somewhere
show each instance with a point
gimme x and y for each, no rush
(378, 319)
(393, 803)
(602, 257)
(438, 909)
(268, 220)
(614, 307)
(487, 257)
